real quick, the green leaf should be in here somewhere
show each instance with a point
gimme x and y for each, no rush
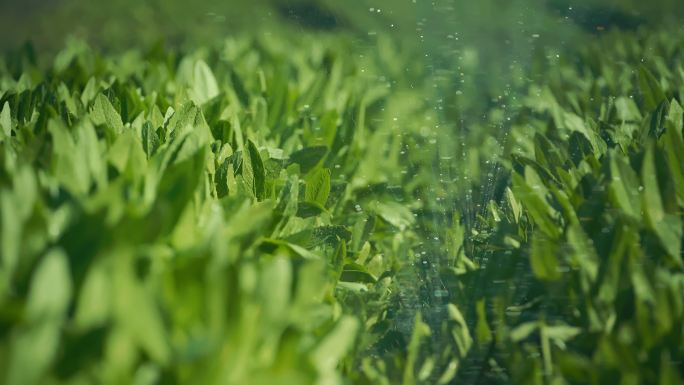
(35, 346)
(318, 186)
(189, 119)
(204, 85)
(127, 154)
(420, 331)
(459, 330)
(353, 272)
(11, 233)
(583, 253)
(51, 288)
(272, 245)
(150, 139)
(6, 121)
(33, 351)
(144, 325)
(221, 178)
(330, 351)
(674, 148)
(69, 160)
(668, 227)
(515, 206)
(253, 170)
(104, 113)
(651, 90)
(482, 331)
(523, 331)
(675, 117)
(543, 258)
(276, 286)
(309, 209)
(395, 214)
(239, 88)
(562, 333)
(624, 186)
(308, 157)
(94, 302)
(532, 197)
(339, 257)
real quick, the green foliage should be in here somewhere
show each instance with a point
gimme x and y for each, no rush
(222, 217)
(593, 291)
(274, 210)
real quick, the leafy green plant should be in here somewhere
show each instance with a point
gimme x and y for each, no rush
(274, 210)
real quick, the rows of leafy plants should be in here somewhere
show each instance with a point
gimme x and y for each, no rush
(277, 211)
(581, 277)
(236, 215)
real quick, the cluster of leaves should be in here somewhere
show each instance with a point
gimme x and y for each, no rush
(275, 210)
(582, 275)
(237, 214)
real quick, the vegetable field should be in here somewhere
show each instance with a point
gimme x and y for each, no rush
(325, 206)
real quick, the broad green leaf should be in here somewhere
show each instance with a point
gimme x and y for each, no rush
(189, 119)
(69, 160)
(624, 186)
(51, 288)
(94, 302)
(395, 214)
(6, 121)
(523, 331)
(674, 149)
(103, 113)
(91, 146)
(356, 273)
(330, 351)
(309, 209)
(339, 257)
(482, 330)
(626, 109)
(543, 258)
(90, 91)
(562, 333)
(651, 90)
(239, 88)
(516, 208)
(127, 153)
(174, 189)
(145, 324)
(583, 254)
(309, 157)
(11, 233)
(26, 190)
(534, 203)
(204, 85)
(362, 230)
(675, 117)
(33, 351)
(449, 373)
(575, 123)
(221, 178)
(150, 140)
(668, 227)
(272, 245)
(36, 344)
(253, 170)
(275, 288)
(318, 186)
